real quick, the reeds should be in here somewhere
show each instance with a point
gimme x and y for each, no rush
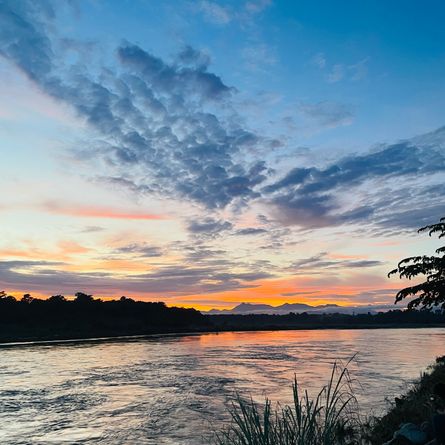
(331, 418)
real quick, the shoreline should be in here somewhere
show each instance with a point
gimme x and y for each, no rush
(412, 406)
(41, 341)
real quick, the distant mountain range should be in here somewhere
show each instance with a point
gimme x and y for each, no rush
(250, 308)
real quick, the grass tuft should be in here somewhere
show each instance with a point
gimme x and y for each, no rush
(331, 418)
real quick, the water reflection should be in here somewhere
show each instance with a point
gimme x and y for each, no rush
(171, 390)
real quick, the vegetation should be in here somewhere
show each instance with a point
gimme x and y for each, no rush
(332, 418)
(413, 407)
(329, 419)
(430, 292)
(86, 317)
(390, 319)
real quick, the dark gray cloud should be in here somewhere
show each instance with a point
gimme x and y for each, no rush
(92, 229)
(410, 219)
(179, 280)
(251, 231)
(170, 79)
(294, 294)
(41, 275)
(23, 38)
(399, 159)
(140, 249)
(320, 263)
(308, 196)
(194, 57)
(208, 227)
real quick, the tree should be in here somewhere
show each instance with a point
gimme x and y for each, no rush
(83, 298)
(27, 299)
(431, 292)
(57, 299)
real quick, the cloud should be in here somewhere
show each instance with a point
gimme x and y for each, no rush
(409, 220)
(49, 277)
(92, 229)
(294, 294)
(193, 57)
(318, 264)
(85, 211)
(251, 231)
(168, 128)
(339, 71)
(257, 56)
(172, 79)
(215, 13)
(255, 7)
(359, 70)
(336, 74)
(151, 116)
(140, 249)
(327, 114)
(318, 60)
(208, 227)
(23, 39)
(312, 196)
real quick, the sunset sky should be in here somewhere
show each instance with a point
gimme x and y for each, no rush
(206, 153)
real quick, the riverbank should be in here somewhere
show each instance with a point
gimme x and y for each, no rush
(56, 339)
(42, 321)
(333, 416)
(412, 407)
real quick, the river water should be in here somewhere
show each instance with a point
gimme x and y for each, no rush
(175, 390)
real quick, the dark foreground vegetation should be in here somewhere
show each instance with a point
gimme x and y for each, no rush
(86, 317)
(416, 406)
(333, 417)
(57, 318)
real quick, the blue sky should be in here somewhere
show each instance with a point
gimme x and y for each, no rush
(209, 152)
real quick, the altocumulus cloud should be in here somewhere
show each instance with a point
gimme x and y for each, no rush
(150, 114)
(309, 196)
(208, 227)
(158, 132)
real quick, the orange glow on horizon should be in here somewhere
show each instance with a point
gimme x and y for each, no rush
(273, 292)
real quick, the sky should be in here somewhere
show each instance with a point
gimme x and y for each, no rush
(207, 153)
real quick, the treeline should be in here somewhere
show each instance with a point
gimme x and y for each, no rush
(86, 317)
(393, 318)
(55, 318)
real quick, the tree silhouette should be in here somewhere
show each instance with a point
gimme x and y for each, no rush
(83, 298)
(432, 291)
(56, 299)
(27, 299)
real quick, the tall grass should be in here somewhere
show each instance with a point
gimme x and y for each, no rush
(331, 418)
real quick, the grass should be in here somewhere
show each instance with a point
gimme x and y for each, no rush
(331, 418)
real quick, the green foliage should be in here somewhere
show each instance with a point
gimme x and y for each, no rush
(431, 292)
(329, 419)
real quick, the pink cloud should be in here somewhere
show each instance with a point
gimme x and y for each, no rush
(90, 211)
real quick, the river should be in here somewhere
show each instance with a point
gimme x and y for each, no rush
(172, 390)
